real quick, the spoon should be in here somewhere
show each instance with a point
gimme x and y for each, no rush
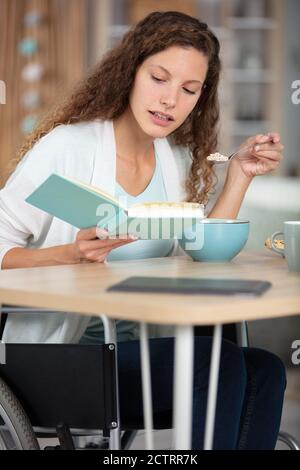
(219, 158)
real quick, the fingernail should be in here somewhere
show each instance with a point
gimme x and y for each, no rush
(101, 233)
(256, 148)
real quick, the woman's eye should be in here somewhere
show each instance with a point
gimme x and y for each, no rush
(161, 80)
(189, 91)
(157, 79)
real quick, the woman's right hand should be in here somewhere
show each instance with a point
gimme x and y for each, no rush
(92, 245)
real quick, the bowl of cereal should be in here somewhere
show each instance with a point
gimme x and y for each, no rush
(215, 240)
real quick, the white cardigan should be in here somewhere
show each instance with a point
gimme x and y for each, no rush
(86, 151)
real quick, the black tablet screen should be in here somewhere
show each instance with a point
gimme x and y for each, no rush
(182, 285)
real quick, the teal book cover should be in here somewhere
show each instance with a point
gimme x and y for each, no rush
(74, 202)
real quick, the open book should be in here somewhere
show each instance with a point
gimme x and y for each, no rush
(84, 206)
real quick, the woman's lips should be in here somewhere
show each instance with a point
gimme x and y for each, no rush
(159, 121)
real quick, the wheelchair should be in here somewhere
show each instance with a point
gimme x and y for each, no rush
(42, 393)
(46, 381)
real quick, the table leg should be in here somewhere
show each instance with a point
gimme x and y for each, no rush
(183, 386)
(146, 384)
(110, 335)
(213, 387)
(242, 334)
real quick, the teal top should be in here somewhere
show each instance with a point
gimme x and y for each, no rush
(155, 191)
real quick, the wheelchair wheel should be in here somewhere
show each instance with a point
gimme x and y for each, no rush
(16, 431)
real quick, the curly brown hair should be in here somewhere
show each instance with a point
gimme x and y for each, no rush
(104, 93)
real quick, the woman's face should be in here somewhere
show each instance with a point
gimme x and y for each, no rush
(170, 83)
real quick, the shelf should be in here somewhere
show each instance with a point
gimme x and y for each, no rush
(254, 23)
(251, 75)
(248, 127)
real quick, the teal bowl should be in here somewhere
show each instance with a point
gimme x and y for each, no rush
(215, 240)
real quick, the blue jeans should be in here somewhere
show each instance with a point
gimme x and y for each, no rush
(250, 395)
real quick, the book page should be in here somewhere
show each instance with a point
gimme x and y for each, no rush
(95, 190)
(166, 209)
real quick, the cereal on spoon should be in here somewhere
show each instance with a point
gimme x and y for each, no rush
(217, 157)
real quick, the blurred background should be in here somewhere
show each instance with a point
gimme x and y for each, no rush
(48, 45)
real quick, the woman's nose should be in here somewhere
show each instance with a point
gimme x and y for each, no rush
(169, 100)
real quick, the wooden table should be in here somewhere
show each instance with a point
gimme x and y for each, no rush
(82, 289)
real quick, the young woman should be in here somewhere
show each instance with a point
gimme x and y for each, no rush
(141, 126)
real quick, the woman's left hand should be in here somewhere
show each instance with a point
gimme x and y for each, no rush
(260, 154)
